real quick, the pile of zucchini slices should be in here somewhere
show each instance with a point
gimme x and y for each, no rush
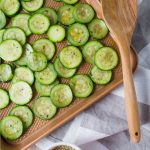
(28, 65)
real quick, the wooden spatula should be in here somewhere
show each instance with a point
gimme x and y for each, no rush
(120, 17)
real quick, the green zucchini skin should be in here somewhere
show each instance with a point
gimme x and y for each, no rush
(106, 58)
(4, 99)
(3, 20)
(12, 131)
(61, 95)
(24, 114)
(44, 109)
(81, 86)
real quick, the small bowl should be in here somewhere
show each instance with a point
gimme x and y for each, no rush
(64, 144)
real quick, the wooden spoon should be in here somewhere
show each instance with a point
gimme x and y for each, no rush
(120, 17)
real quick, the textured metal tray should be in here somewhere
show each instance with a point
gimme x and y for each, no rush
(41, 128)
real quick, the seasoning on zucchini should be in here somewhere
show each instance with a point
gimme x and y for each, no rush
(24, 114)
(77, 34)
(106, 58)
(61, 95)
(81, 85)
(44, 108)
(11, 128)
(46, 76)
(89, 51)
(98, 29)
(10, 50)
(20, 93)
(45, 46)
(100, 77)
(70, 57)
(56, 33)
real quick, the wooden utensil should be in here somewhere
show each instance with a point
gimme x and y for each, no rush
(120, 17)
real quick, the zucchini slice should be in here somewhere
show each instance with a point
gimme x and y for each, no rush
(5, 73)
(44, 108)
(83, 13)
(65, 15)
(21, 21)
(20, 93)
(106, 58)
(24, 114)
(14, 33)
(45, 46)
(1, 35)
(50, 13)
(39, 23)
(32, 5)
(78, 34)
(61, 95)
(4, 99)
(100, 77)
(22, 61)
(10, 50)
(2, 19)
(70, 57)
(98, 29)
(81, 85)
(45, 90)
(10, 7)
(89, 51)
(62, 71)
(56, 33)
(46, 76)
(11, 128)
(23, 74)
(70, 1)
(36, 61)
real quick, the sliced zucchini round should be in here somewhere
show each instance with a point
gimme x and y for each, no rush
(106, 58)
(23, 74)
(81, 85)
(98, 29)
(5, 73)
(33, 5)
(1, 35)
(46, 76)
(83, 13)
(89, 51)
(63, 71)
(45, 90)
(45, 46)
(20, 93)
(21, 21)
(78, 34)
(11, 128)
(24, 114)
(10, 7)
(2, 19)
(44, 108)
(100, 77)
(39, 23)
(70, 1)
(61, 95)
(56, 33)
(4, 99)
(10, 50)
(22, 61)
(70, 57)
(36, 61)
(65, 15)
(50, 13)
(14, 33)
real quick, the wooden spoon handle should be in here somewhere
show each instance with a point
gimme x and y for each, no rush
(130, 94)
